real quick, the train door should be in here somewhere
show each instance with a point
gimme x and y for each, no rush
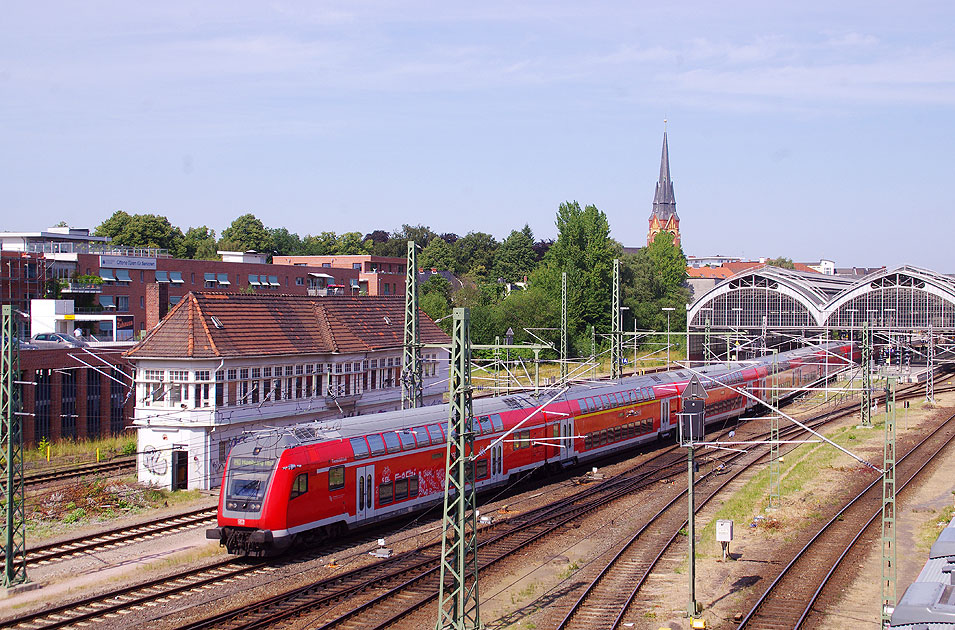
(497, 463)
(364, 492)
(762, 394)
(664, 415)
(567, 439)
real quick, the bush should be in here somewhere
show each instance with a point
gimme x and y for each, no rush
(129, 448)
(75, 515)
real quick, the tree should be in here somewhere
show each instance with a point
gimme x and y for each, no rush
(515, 258)
(437, 284)
(350, 243)
(784, 263)
(654, 278)
(585, 251)
(436, 306)
(320, 245)
(245, 233)
(285, 243)
(199, 243)
(474, 254)
(142, 230)
(437, 255)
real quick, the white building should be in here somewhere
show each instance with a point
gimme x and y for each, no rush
(221, 364)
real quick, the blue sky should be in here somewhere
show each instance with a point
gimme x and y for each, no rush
(818, 130)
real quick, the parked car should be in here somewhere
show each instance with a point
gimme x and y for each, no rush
(60, 338)
(24, 345)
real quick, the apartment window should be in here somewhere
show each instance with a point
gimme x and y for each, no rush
(142, 301)
(68, 403)
(117, 399)
(299, 281)
(93, 397)
(192, 277)
(356, 266)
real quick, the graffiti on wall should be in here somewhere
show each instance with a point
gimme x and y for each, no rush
(154, 462)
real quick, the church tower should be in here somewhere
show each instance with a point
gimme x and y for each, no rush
(664, 218)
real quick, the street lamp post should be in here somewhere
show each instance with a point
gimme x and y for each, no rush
(668, 309)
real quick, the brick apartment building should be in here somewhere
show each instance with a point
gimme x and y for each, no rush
(75, 394)
(377, 275)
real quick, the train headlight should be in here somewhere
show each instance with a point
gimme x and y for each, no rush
(255, 506)
(231, 505)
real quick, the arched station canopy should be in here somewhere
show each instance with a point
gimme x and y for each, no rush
(787, 299)
(906, 297)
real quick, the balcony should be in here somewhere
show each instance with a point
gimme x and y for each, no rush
(326, 291)
(80, 287)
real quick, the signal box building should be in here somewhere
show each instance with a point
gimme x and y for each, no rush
(221, 364)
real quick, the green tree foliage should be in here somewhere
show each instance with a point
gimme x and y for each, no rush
(199, 243)
(142, 230)
(515, 259)
(437, 284)
(350, 243)
(654, 278)
(475, 254)
(245, 233)
(285, 243)
(784, 263)
(437, 255)
(585, 251)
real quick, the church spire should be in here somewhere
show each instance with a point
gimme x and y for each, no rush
(663, 217)
(664, 201)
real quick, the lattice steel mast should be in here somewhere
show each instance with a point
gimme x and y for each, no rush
(866, 376)
(888, 507)
(11, 442)
(563, 327)
(458, 601)
(411, 380)
(930, 372)
(775, 476)
(616, 348)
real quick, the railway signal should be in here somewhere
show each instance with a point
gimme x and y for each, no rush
(691, 431)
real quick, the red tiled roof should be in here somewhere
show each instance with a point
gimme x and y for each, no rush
(708, 272)
(255, 325)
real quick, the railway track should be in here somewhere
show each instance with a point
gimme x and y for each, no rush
(119, 464)
(788, 601)
(410, 577)
(411, 580)
(64, 549)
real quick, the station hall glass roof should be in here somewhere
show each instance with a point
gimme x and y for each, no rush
(904, 297)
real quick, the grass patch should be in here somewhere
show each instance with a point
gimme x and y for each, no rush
(568, 571)
(932, 526)
(800, 467)
(71, 452)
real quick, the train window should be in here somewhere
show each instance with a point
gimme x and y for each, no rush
(299, 486)
(407, 439)
(413, 486)
(496, 422)
(401, 489)
(376, 444)
(391, 442)
(336, 477)
(421, 434)
(361, 492)
(486, 424)
(360, 447)
(437, 435)
(603, 437)
(480, 469)
(588, 442)
(386, 493)
(605, 401)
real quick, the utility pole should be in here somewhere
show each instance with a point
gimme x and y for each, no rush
(593, 350)
(706, 342)
(11, 443)
(411, 380)
(616, 351)
(563, 327)
(866, 376)
(775, 476)
(691, 431)
(930, 363)
(888, 507)
(458, 600)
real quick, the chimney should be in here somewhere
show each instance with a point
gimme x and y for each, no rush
(157, 303)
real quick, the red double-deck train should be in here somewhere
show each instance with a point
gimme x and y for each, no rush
(308, 482)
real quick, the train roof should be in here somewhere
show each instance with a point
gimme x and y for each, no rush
(930, 600)
(344, 428)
